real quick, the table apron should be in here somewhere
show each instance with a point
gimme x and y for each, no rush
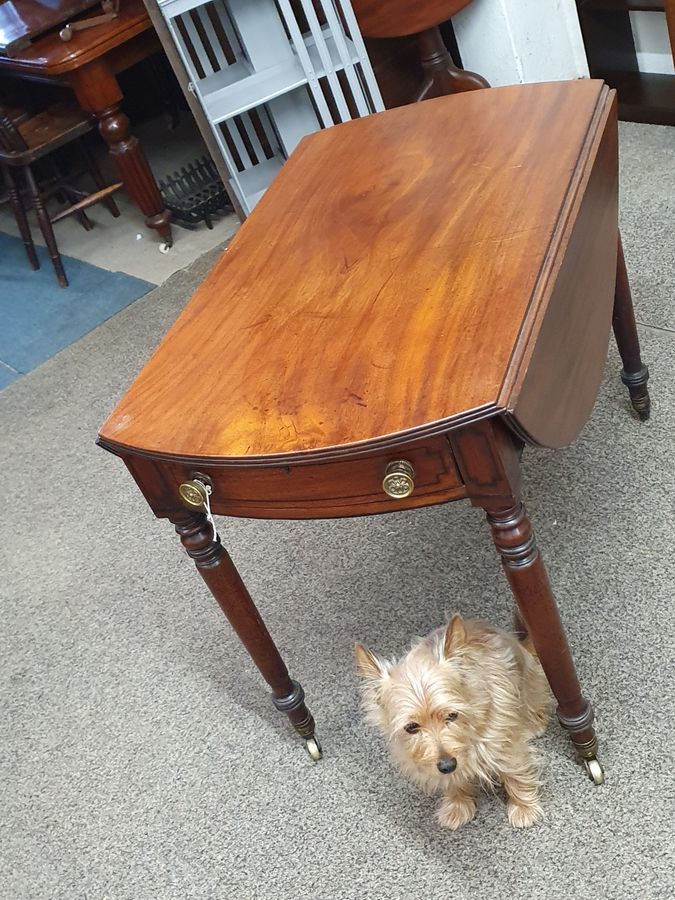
(351, 486)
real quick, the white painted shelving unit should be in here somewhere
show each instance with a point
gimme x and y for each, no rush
(266, 73)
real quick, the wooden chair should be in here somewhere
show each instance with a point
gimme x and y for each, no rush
(26, 139)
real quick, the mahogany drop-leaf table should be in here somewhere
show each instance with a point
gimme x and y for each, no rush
(418, 295)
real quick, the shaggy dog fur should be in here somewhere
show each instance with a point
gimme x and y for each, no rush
(459, 711)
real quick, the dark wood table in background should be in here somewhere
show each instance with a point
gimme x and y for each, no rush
(89, 65)
(397, 319)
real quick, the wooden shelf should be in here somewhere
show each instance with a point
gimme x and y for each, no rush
(644, 96)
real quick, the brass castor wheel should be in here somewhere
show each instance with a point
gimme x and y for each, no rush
(595, 771)
(314, 749)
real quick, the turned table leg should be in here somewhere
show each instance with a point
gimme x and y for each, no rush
(634, 373)
(488, 457)
(514, 538)
(224, 582)
(98, 92)
(441, 75)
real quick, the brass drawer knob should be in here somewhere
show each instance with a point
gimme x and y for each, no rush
(193, 494)
(399, 479)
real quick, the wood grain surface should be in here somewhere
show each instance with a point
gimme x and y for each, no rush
(23, 20)
(562, 374)
(50, 56)
(384, 18)
(345, 487)
(387, 287)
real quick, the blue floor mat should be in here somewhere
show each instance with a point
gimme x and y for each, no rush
(38, 318)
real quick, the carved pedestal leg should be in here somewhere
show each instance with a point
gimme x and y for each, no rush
(634, 373)
(441, 75)
(527, 576)
(219, 573)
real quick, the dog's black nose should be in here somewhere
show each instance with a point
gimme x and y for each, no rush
(447, 764)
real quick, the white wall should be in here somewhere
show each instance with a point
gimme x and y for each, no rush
(650, 33)
(511, 41)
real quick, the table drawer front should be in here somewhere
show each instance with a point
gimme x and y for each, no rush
(346, 487)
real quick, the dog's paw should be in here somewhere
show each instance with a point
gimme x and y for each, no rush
(521, 816)
(455, 813)
(540, 723)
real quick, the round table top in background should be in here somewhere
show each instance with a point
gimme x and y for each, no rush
(396, 18)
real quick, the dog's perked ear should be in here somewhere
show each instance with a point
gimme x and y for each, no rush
(368, 666)
(455, 636)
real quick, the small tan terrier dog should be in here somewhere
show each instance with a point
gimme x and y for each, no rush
(459, 711)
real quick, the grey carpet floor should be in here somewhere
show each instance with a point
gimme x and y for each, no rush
(140, 755)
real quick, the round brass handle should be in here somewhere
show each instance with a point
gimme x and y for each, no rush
(399, 479)
(193, 494)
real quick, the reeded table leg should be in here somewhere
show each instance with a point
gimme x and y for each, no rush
(98, 92)
(514, 538)
(125, 149)
(634, 373)
(224, 582)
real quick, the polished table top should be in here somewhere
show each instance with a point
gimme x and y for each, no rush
(23, 20)
(414, 288)
(378, 18)
(49, 55)
(398, 279)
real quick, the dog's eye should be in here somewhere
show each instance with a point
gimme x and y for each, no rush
(451, 717)
(412, 728)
